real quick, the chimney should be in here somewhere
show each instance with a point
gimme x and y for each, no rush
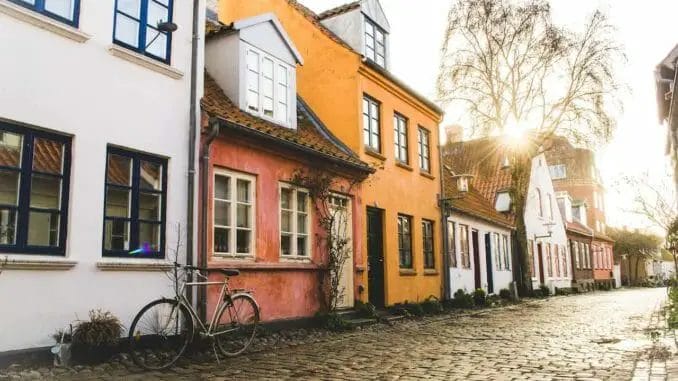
(454, 133)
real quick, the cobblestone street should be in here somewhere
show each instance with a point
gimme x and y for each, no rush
(603, 335)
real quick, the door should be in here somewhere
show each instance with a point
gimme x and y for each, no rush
(540, 255)
(476, 257)
(340, 207)
(488, 263)
(375, 256)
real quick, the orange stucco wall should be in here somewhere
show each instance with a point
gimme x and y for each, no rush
(332, 81)
(285, 289)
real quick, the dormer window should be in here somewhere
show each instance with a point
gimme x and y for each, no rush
(503, 202)
(375, 43)
(268, 90)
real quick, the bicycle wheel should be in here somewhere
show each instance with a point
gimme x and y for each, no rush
(160, 334)
(236, 324)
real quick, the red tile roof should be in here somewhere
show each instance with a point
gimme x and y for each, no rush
(339, 10)
(310, 135)
(578, 228)
(473, 204)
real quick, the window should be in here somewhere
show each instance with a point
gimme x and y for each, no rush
(464, 247)
(530, 252)
(427, 236)
(405, 241)
(134, 210)
(550, 206)
(371, 134)
(503, 201)
(400, 138)
(549, 259)
(574, 250)
(34, 180)
(588, 256)
(564, 259)
(294, 222)
(375, 43)
(424, 150)
(556, 248)
(540, 207)
(136, 27)
(506, 252)
(496, 251)
(451, 246)
(268, 87)
(233, 213)
(558, 171)
(66, 11)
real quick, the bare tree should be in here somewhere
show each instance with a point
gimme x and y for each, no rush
(508, 63)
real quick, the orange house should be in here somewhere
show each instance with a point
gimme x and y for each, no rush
(346, 81)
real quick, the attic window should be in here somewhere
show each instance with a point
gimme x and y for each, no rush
(505, 163)
(503, 202)
(558, 171)
(375, 43)
(268, 87)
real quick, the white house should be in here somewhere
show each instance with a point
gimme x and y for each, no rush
(479, 240)
(94, 157)
(547, 241)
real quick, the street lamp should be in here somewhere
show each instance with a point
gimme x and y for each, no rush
(549, 231)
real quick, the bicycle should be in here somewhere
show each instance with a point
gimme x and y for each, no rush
(162, 330)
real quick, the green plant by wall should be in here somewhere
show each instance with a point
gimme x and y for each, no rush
(479, 297)
(432, 305)
(545, 291)
(461, 299)
(333, 322)
(366, 310)
(505, 294)
(96, 339)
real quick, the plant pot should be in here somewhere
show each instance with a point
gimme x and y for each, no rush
(91, 354)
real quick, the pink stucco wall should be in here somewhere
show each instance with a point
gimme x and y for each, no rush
(284, 289)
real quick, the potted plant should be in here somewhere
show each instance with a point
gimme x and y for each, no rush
(96, 339)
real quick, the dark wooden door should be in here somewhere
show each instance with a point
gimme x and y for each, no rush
(375, 257)
(541, 263)
(488, 263)
(476, 257)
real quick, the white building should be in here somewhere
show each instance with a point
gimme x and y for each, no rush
(479, 241)
(94, 158)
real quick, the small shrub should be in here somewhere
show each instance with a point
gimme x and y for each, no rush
(366, 310)
(479, 297)
(414, 309)
(95, 340)
(545, 291)
(462, 299)
(432, 305)
(62, 334)
(505, 294)
(333, 322)
(400, 309)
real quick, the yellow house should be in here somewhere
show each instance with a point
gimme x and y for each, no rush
(346, 81)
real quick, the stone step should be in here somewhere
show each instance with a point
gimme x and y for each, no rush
(361, 322)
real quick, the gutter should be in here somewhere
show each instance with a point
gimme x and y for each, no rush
(443, 224)
(204, 179)
(192, 137)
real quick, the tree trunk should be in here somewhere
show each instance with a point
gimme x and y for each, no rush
(635, 278)
(520, 172)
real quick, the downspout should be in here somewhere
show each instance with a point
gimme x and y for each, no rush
(190, 207)
(443, 225)
(204, 182)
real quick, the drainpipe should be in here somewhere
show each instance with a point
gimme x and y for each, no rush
(443, 224)
(193, 118)
(204, 182)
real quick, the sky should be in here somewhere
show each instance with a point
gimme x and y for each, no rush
(647, 32)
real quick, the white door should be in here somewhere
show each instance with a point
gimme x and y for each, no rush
(343, 228)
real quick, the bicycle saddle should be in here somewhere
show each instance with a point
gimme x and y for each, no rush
(227, 272)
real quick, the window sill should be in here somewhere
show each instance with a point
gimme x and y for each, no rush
(403, 166)
(134, 265)
(431, 272)
(427, 175)
(280, 266)
(42, 21)
(375, 154)
(216, 258)
(144, 61)
(33, 262)
(408, 272)
(291, 259)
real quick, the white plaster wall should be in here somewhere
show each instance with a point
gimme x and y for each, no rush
(534, 224)
(350, 27)
(266, 37)
(461, 278)
(222, 62)
(81, 89)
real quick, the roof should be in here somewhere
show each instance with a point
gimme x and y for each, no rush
(339, 10)
(214, 28)
(483, 159)
(578, 228)
(313, 18)
(473, 204)
(310, 136)
(602, 237)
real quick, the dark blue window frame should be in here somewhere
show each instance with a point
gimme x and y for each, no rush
(23, 207)
(39, 7)
(133, 218)
(142, 20)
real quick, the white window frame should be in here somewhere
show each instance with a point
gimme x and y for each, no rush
(374, 57)
(503, 195)
(294, 234)
(285, 120)
(234, 177)
(558, 171)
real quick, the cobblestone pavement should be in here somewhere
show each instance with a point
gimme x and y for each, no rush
(604, 335)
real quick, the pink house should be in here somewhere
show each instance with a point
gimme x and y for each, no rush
(258, 136)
